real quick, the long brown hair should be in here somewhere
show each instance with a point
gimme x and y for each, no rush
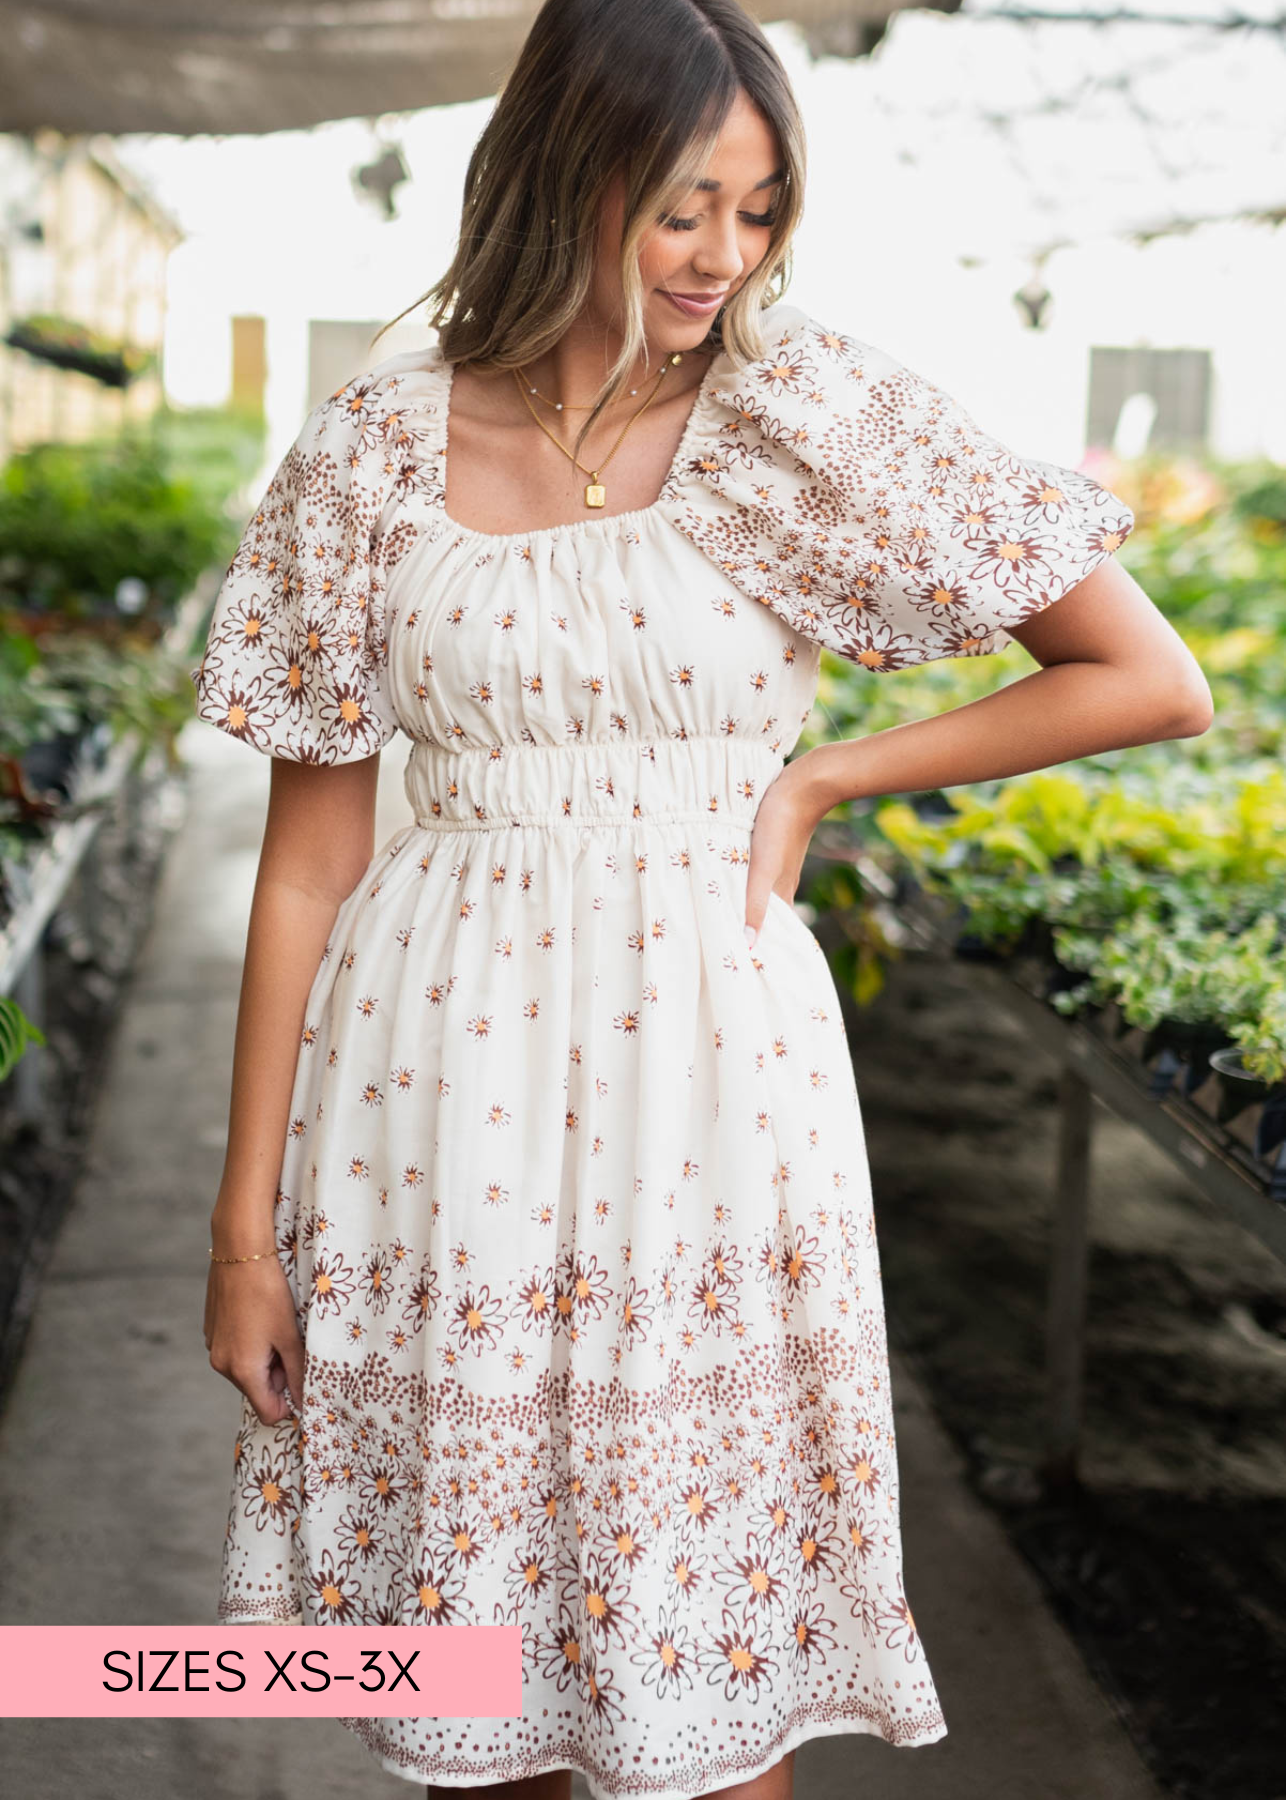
(600, 88)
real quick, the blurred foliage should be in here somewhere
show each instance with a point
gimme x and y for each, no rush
(130, 686)
(99, 542)
(1157, 872)
(858, 961)
(17, 1033)
(147, 509)
(32, 704)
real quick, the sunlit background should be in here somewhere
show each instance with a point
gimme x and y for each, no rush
(1073, 222)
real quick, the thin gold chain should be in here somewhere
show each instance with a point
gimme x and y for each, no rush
(595, 492)
(577, 406)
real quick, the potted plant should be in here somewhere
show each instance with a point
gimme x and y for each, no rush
(65, 344)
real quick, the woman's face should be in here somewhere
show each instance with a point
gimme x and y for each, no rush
(708, 248)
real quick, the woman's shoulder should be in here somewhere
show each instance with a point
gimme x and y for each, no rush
(866, 505)
(814, 362)
(389, 412)
(380, 399)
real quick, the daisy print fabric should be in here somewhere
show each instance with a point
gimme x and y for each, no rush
(866, 506)
(574, 1202)
(296, 655)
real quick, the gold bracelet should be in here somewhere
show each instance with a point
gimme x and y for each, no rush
(232, 1259)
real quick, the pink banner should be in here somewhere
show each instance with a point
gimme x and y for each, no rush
(270, 1671)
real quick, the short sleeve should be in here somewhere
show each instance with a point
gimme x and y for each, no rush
(868, 508)
(296, 657)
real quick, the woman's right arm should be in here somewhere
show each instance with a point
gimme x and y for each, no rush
(319, 838)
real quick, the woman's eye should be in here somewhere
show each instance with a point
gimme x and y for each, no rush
(767, 220)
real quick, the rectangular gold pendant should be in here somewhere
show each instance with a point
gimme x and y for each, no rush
(595, 494)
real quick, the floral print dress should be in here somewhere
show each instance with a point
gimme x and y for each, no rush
(574, 1201)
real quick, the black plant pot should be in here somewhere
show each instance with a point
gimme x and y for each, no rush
(973, 948)
(1192, 1039)
(1237, 1088)
(1270, 1130)
(1036, 939)
(57, 763)
(48, 763)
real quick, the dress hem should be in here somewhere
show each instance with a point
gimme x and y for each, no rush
(802, 1732)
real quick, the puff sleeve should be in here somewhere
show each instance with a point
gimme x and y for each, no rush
(869, 509)
(296, 656)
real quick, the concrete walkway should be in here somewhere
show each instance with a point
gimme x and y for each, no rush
(114, 1447)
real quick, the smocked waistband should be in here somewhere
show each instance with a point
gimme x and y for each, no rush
(719, 780)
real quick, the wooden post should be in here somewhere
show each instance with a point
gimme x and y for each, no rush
(249, 361)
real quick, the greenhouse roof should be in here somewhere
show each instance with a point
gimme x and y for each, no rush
(188, 67)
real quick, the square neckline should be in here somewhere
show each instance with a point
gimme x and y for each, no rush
(634, 515)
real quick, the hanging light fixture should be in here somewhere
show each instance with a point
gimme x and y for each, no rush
(1032, 299)
(378, 179)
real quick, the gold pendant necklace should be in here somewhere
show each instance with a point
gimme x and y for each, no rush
(595, 491)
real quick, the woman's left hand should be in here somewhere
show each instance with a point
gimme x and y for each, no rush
(784, 825)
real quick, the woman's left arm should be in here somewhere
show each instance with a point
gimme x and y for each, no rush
(1113, 672)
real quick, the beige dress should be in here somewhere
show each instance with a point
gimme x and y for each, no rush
(574, 1201)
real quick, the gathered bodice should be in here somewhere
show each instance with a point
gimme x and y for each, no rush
(584, 672)
(824, 495)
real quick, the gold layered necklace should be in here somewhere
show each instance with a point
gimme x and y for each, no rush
(595, 492)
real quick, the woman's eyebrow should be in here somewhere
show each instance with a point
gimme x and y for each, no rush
(709, 187)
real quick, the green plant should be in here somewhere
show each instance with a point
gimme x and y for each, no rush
(1260, 495)
(1233, 827)
(33, 705)
(1157, 873)
(1262, 1039)
(1176, 969)
(17, 1034)
(77, 520)
(858, 962)
(134, 687)
(217, 449)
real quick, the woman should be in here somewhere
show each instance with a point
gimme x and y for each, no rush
(560, 1306)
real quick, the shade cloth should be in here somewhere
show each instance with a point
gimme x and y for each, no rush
(188, 67)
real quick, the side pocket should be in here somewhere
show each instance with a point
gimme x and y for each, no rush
(792, 920)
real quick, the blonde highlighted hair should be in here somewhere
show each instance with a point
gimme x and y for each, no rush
(603, 88)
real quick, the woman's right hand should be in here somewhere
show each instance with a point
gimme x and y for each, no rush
(253, 1337)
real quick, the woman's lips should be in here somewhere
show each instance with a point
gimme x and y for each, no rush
(694, 308)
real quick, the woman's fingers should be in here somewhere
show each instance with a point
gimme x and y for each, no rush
(292, 1355)
(263, 1388)
(756, 907)
(252, 1335)
(255, 1383)
(287, 1371)
(778, 846)
(757, 894)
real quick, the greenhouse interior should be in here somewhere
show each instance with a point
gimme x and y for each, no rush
(1063, 991)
